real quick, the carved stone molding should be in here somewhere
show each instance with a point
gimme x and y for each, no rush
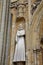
(13, 5)
(17, 3)
(20, 6)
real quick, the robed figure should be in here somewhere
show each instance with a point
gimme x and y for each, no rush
(19, 54)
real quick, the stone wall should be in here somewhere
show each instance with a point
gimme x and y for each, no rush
(13, 14)
(32, 32)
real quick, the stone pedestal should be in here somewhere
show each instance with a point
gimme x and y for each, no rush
(19, 63)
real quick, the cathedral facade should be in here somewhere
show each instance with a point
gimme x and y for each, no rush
(29, 14)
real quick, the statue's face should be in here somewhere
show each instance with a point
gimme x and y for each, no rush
(20, 27)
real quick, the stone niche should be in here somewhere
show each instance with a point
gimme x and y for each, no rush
(19, 21)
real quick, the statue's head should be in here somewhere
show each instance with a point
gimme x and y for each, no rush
(20, 27)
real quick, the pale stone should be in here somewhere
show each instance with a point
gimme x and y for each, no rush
(19, 54)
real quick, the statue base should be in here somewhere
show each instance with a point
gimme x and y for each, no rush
(19, 63)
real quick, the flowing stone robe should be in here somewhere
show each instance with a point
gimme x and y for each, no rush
(20, 46)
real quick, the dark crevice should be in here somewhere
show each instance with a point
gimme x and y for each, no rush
(34, 6)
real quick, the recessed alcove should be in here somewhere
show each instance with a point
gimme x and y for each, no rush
(20, 21)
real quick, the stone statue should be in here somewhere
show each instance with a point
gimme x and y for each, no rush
(19, 54)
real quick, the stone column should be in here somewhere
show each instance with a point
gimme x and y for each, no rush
(36, 56)
(2, 29)
(13, 32)
(29, 33)
(7, 53)
(1, 3)
(36, 46)
(29, 11)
